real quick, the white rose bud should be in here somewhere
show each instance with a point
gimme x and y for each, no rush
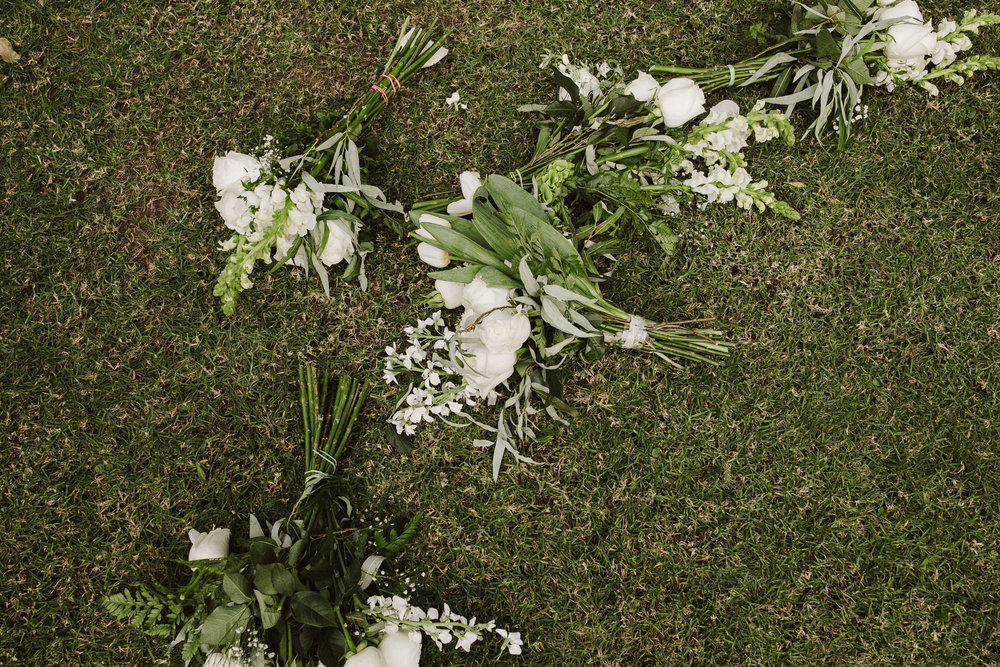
(479, 298)
(370, 657)
(205, 546)
(398, 650)
(680, 100)
(905, 9)
(450, 292)
(643, 88)
(433, 255)
(229, 171)
(339, 244)
(504, 331)
(908, 40)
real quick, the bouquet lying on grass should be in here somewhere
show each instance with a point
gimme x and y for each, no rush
(306, 202)
(292, 595)
(531, 302)
(831, 51)
(633, 153)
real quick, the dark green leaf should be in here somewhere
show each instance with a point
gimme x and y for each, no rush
(263, 550)
(262, 579)
(285, 581)
(826, 46)
(311, 608)
(858, 72)
(400, 442)
(236, 587)
(269, 616)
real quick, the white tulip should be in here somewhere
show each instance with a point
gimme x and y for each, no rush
(229, 171)
(429, 219)
(450, 292)
(680, 100)
(369, 657)
(398, 650)
(908, 40)
(470, 182)
(643, 88)
(213, 544)
(504, 330)
(433, 255)
(907, 9)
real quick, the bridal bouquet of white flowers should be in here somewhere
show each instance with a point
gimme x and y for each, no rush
(531, 301)
(636, 151)
(834, 49)
(307, 206)
(291, 594)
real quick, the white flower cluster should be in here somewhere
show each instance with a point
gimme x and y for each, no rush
(257, 205)
(251, 651)
(399, 616)
(913, 45)
(441, 392)
(479, 357)
(588, 82)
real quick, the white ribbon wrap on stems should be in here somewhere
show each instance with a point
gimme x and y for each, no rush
(635, 336)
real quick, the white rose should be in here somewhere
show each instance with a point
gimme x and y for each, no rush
(908, 40)
(905, 9)
(205, 546)
(234, 211)
(504, 331)
(433, 255)
(479, 298)
(643, 88)
(229, 171)
(221, 660)
(470, 182)
(370, 657)
(450, 292)
(339, 243)
(680, 100)
(484, 370)
(398, 650)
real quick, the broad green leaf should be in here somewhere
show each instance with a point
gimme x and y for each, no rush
(858, 72)
(311, 608)
(494, 278)
(462, 274)
(262, 579)
(492, 228)
(269, 616)
(285, 581)
(826, 45)
(221, 626)
(236, 587)
(462, 248)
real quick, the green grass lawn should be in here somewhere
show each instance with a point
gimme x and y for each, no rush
(830, 495)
